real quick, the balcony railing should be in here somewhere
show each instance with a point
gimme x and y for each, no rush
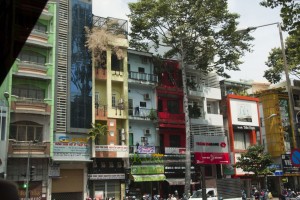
(30, 105)
(142, 113)
(171, 116)
(23, 148)
(143, 77)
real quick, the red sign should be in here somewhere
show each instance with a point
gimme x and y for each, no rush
(211, 158)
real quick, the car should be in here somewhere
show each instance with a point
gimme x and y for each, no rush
(211, 194)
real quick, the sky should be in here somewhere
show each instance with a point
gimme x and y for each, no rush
(251, 15)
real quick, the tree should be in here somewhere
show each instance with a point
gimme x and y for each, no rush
(290, 13)
(275, 60)
(255, 161)
(96, 132)
(194, 31)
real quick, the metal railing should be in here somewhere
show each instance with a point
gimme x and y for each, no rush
(143, 77)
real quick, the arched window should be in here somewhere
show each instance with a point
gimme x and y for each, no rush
(32, 57)
(26, 131)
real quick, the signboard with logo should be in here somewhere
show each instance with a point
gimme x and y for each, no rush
(71, 147)
(244, 114)
(296, 157)
(287, 167)
(211, 149)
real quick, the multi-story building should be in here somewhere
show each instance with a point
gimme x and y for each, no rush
(242, 124)
(171, 125)
(29, 90)
(146, 170)
(110, 107)
(206, 122)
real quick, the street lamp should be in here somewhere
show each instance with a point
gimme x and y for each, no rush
(288, 82)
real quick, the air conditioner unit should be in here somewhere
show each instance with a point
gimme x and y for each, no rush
(146, 97)
(147, 132)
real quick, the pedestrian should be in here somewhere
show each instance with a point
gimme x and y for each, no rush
(8, 190)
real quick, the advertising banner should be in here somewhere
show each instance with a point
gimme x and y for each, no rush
(174, 150)
(71, 147)
(211, 149)
(287, 167)
(147, 169)
(146, 149)
(244, 113)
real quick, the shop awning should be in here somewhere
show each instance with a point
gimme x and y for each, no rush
(178, 181)
(144, 178)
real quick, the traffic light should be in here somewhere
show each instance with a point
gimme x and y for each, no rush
(25, 185)
(32, 172)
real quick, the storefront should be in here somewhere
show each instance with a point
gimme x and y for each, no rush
(106, 178)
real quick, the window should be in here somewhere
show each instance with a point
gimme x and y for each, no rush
(160, 106)
(28, 91)
(241, 140)
(141, 70)
(32, 57)
(113, 100)
(40, 27)
(26, 131)
(116, 64)
(144, 59)
(174, 140)
(143, 104)
(173, 106)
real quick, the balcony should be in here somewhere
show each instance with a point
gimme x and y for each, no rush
(207, 92)
(39, 38)
(30, 105)
(142, 114)
(209, 119)
(100, 112)
(111, 151)
(100, 73)
(117, 75)
(30, 69)
(177, 120)
(22, 149)
(46, 15)
(142, 78)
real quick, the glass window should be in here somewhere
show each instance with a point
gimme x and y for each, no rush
(174, 140)
(173, 106)
(113, 100)
(26, 131)
(143, 104)
(141, 70)
(241, 140)
(160, 106)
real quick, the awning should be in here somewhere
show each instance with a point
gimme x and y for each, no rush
(144, 178)
(179, 181)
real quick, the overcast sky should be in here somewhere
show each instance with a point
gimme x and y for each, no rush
(251, 14)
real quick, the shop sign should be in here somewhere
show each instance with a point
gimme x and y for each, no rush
(244, 113)
(287, 167)
(106, 176)
(209, 144)
(244, 127)
(111, 148)
(54, 170)
(211, 158)
(119, 151)
(174, 150)
(146, 149)
(71, 147)
(147, 169)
